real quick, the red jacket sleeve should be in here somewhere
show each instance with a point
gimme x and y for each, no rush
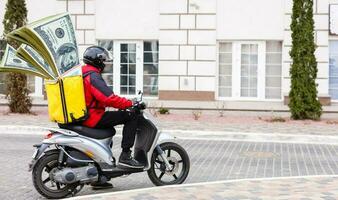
(105, 95)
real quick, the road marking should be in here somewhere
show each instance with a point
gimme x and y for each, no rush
(201, 184)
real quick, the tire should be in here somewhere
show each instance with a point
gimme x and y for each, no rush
(48, 162)
(185, 162)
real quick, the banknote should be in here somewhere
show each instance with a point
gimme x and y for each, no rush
(54, 39)
(12, 63)
(59, 36)
(32, 56)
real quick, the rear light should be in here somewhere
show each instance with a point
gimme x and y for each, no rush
(49, 135)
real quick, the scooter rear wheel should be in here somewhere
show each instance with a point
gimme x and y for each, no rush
(43, 183)
(178, 160)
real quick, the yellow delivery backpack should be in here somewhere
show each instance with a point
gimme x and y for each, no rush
(66, 99)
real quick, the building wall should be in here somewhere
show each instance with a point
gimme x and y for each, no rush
(127, 19)
(37, 9)
(189, 33)
(187, 40)
(248, 19)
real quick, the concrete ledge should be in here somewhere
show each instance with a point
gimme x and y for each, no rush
(186, 95)
(202, 135)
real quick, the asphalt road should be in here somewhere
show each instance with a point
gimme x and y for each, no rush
(210, 161)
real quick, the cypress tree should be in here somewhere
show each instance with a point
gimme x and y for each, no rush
(16, 83)
(304, 103)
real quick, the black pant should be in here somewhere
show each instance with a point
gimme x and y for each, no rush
(129, 119)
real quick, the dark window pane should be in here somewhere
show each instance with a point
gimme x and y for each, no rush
(150, 80)
(132, 90)
(108, 69)
(124, 69)
(132, 69)
(107, 44)
(2, 88)
(124, 47)
(132, 80)
(2, 83)
(124, 90)
(150, 90)
(124, 58)
(150, 57)
(150, 46)
(150, 69)
(108, 78)
(124, 80)
(132, 57)
(132, 47)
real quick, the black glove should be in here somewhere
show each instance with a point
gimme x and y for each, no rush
(140, 105)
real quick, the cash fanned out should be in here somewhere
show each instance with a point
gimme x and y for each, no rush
(49, 48)
(12, 63)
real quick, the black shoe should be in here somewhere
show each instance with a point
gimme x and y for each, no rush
(100, 186)
(126, 160)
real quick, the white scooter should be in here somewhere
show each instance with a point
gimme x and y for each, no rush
(71, 156)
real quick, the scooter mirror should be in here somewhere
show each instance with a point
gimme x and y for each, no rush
(140, 93)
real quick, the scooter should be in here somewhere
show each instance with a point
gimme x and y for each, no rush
(73, 156)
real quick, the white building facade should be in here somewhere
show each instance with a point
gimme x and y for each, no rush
(231, 54)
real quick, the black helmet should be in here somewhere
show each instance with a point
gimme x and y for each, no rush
(97, 57)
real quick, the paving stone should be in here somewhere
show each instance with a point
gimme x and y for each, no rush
(210, 161)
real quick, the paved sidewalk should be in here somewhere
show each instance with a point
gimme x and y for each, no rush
(247, 122)
(305, 188)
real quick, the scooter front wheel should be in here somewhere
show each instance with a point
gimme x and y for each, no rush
(179, 163)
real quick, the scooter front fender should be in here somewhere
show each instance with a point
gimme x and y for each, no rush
(165, 137)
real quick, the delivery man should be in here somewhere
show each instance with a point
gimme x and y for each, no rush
(99, 96)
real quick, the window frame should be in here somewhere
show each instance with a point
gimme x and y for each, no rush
(144, 63)
(328, 68)
(236, 71)
(139, 66)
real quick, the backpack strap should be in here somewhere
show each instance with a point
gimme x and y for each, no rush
(93, 100)
(87, 73)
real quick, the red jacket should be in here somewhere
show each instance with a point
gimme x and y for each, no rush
(99, 96)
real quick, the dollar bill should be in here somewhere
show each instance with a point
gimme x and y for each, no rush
(12, 63)
(32, 56)
(54, 39)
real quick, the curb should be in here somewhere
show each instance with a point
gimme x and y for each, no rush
(202, 135)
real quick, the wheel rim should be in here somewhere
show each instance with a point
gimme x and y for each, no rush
(47, 182)
(178, 167)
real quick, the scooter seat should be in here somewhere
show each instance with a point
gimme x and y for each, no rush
(89, 132)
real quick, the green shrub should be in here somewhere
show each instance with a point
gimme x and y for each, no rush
(17, 91)
(163, 111)
(304, 103)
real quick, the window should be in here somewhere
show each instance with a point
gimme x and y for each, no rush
(249, 65)
(150, 68)
(225, 69)
(128, 68)
(333, 70)
(273, 70)
(250, 70)
(2, 75)
(31, 83)
(135, 67)
(108, 72)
